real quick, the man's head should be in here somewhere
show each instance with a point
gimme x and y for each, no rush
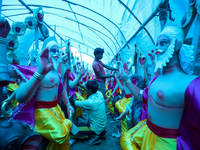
(169, 41)
(92, 87)
(52, 46)
(98, 53)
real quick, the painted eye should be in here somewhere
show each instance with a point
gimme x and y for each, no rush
(163, 43)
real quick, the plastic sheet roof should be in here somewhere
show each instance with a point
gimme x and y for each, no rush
(97, 23)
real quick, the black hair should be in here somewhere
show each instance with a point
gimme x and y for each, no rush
(98, 51)
(140, 80)
(93, 85)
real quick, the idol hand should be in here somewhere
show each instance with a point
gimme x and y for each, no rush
(124, 74)
(142, 60)
(44, 64)
(152, 55)
(4, 27)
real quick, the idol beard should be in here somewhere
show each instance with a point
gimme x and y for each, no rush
(162, 60)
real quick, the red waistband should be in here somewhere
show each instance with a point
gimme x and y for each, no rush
(128, 95)
(162, 132)
(43, 104)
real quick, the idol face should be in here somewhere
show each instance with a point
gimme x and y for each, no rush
(54, 54)
(162, 45)
(164, 51)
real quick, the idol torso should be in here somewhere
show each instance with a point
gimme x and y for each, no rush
(166, 99)
(48, 89)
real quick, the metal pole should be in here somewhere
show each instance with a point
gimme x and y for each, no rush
(147, 21)
(43, 21)
(54, 29)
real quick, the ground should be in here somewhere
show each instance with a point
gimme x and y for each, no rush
(108, 142)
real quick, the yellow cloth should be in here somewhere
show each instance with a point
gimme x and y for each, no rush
(79, 111)
(84, 93)
(121, 107)
(52, 124)
(12, 87)
(141, 137)
(121, 104)
(110, 104)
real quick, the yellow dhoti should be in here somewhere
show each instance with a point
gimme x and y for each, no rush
(121, 107)
(52, 124)
(12, 87)
(79, 111)
(110, 103)
(141, 137)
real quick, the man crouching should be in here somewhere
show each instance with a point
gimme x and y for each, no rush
(95, 105)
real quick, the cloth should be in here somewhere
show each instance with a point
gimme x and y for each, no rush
(84, 132)
(95, 106)
(79, 111)
(141, 137)
(110, 104)
(189, 129)
(52, 124)
(101, 87)
(98, 66)
(12, 87)
(121, 107)
(72, 91)
(144, 112)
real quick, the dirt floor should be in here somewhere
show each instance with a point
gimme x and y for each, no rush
(109, 142)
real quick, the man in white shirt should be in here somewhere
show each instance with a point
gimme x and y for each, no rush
(95, 105)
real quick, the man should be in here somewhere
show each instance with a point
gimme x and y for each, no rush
(95, 106)
(173, 105)
(99, 70)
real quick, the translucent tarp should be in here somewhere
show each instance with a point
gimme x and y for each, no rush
(97, 23)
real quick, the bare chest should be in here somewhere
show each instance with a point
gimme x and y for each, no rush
(168, 93)
(51, 79)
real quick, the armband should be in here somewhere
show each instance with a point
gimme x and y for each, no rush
(38, 76)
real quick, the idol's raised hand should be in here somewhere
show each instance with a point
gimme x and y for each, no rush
(124, 73)
(142, 60)
(152, 55)
(4, 27)
(45, 62)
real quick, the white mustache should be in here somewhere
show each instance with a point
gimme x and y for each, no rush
(159, 50)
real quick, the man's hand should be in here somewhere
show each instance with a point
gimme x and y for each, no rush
(44, 66)
(4, 27)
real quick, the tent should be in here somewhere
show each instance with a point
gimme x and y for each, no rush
(109, 24)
